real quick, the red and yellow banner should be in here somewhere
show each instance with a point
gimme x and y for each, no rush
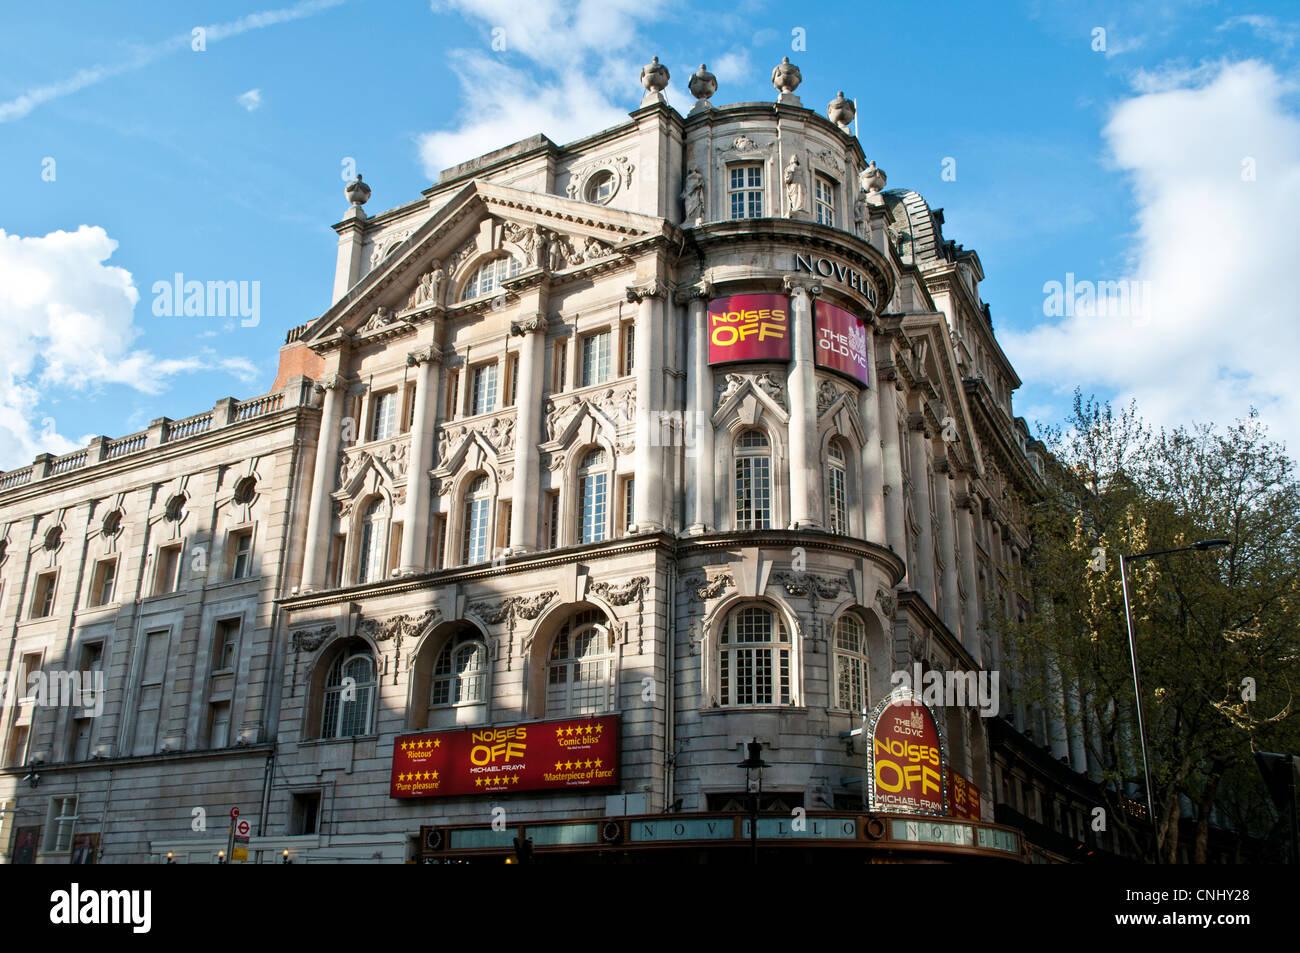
(963, 797)
(538, 756)
(905, 766)
(749, 328)
(842, 342)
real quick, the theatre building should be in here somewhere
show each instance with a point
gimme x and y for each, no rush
(610, 460)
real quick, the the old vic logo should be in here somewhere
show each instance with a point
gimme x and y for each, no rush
(844, 274)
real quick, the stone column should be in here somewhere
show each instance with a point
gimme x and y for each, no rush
(648, 465)
(873, 467)
(415, 519)
(524, 502)
(970, 634)
(1055, 709)
(892, 456)
(801, 384)
(919, 437)
(352, 234)
(947, 545)
(698, 428)
(316, 555)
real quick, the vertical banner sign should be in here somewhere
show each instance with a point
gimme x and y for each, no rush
(841, 342)
(963, 797)
(749, 328)
(905, 763)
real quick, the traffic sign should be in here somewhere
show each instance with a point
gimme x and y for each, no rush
(242, 829)
(234, 812)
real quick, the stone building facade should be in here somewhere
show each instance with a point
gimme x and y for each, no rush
(504, 480)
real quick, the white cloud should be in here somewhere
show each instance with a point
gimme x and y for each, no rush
(582, 74)
(1214, 246)
(66, 320)
(1264, 28)
(250, 100)
(20, 106)
(732, 67)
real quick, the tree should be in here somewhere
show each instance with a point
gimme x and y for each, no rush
(1215, 632)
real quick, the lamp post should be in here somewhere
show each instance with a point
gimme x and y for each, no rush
(1201, 546)
(753, 763)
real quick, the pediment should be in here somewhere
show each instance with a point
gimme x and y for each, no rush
(746, 394)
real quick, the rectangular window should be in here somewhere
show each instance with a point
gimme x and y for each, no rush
(746, 191)
(595, 359)
(167, 576)
(453, 394)
(629, 348)
(225, 644)
(753, 492)
(629, 503)
(512, 372)
(483, 399)
(824, 200)
(149, 703)
(553, 519)
(503, 526)
(439, 540)
(60, 823)
(335, 571)
(395, 548)
(383, 416)
(560, 366)
(837, 502)
(303, 816)
(83, 729)
(474, 548)
(101, 583)
(219, 724)
(241, 554)
(408, 407)
(17, 746)
(595, 507)
(43, 600)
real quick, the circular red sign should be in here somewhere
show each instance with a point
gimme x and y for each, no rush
(234, 812)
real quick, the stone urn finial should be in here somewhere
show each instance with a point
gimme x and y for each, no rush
(786, 78)
(872, 181)
(841, 111)
(654, 77)
(357, 192)
(703, 85)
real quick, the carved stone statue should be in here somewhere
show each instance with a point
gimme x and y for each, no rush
(786, 76)
(795, 192)
(429, 289)
(693, 197)
(556, 257)
(859, 214)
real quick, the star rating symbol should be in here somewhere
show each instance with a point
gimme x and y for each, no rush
(514, 779)
(599, 762)
(558, 765)
(478, 782)
(599, 728)
(437, 742)
(434, 775)
(559, 732)
(406, 746)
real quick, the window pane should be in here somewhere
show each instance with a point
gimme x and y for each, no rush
(595, 359)
(594, 508)
(385, 416)
(484, 397)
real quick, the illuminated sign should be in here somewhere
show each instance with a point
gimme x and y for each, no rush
(749, 328)
(841, 342)
(538, 756)
(963, 797)
(905, 761)
(845, 274)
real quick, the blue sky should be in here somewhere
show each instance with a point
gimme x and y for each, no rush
(1171, 157)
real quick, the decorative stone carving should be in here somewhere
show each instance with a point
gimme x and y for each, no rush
(768, 383)
(531, 239)
(654, 77)
(309, 640)
(872, 181)
(706, 588)
(827, 394)
(888, 602)
(387, 246)
(625, 593)
(743, 144)
(841, 111)
(530, 607)
(394, 457)
(382, 318)
(429, 354)
(430, 289)
(350, 466)
(467, 251)
(730, 384)
(693, 197)
(512, 607)
(593, 249)
(702, 85)
(357, 192)
(786, 76)
(397, 629)
(796, 194)
(449, 440)
(524, 326)
(859, 215)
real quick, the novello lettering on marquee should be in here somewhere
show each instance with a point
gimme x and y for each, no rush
(539, 756)
(749, 328)
(905, 762)
(845, 274)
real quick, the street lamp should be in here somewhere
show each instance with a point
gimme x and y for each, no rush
(1202, 546)
(753, 764)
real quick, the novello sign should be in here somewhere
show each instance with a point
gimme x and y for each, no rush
(749, 328)
(538, 756)
(830, 268)
(841, 342)
(905, 763)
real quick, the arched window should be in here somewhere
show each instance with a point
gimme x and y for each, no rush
(593, 484)
(370, 567)
(577, 675)
(753, 481)
(459, 673)
(837, 480)
(850, 663)
(754, 659)
(474, 534)
(488, 276)
(349, 705)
